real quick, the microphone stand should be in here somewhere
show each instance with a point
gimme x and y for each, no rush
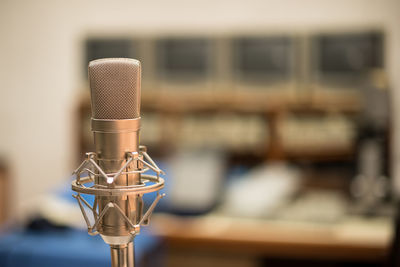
(123, 255)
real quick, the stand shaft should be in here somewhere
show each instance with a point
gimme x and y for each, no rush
(123, 255)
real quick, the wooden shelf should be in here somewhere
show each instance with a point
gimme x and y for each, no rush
(175, 101)
(271, 106)
(320, 154)
(247, 102)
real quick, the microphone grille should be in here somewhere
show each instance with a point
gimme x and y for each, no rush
(115, 88)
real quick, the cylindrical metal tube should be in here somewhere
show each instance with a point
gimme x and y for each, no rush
(123, 255)
(113, 139)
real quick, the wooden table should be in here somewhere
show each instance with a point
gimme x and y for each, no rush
(353, 239)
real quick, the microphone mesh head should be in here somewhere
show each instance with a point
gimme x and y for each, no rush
(115, 88)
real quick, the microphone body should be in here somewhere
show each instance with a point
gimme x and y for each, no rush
(116, 171)
(115, 98)
(113, 139)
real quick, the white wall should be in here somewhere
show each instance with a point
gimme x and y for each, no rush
(40, 62)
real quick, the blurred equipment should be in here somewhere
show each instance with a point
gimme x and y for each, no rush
(317, 132)
(263, 57)
(264, 62)
(262, 192)
(371, 185)
(343, 60)
(187, 199)
(115, 172)
(229, 131)
(183, 57)
(316, 206)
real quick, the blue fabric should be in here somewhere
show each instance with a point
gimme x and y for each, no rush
(71, 247)
(63, 248)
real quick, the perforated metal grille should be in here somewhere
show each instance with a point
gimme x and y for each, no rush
(115, 88)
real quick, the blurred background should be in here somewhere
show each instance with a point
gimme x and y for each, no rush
(275, 122)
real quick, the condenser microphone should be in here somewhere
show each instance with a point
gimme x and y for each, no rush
(115, 98)
(118, 165)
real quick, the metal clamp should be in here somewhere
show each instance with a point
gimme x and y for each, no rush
(92, 229)
(149, 183)
(90, 161)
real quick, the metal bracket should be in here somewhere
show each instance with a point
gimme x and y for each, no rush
(92, 229)
(149, 183)
(90, 161)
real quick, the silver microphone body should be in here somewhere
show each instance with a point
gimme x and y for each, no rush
(116, 173)
(115, 95)
(113, 139)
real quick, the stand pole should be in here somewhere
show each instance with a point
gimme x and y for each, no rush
(123, 255)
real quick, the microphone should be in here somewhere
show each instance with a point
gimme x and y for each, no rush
(116, 171)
